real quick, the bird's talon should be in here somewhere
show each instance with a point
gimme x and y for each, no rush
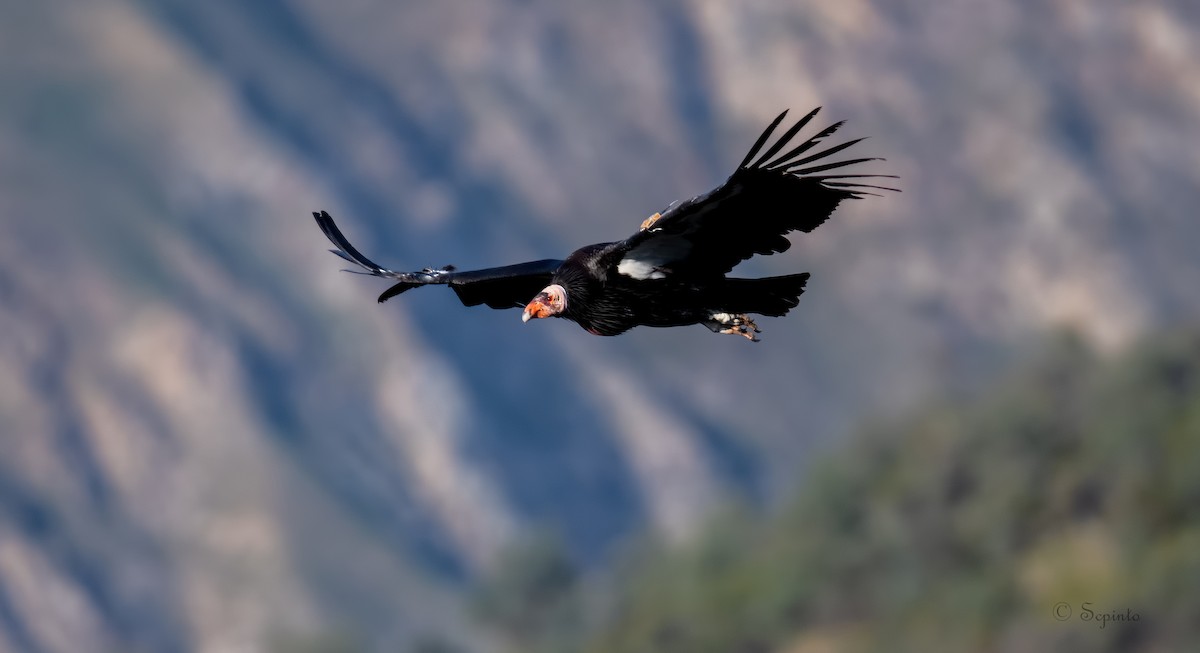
(740, 330)
(738, 324)
(649, 222)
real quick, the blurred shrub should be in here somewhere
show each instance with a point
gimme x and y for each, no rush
(530, 603)
(1046, 516)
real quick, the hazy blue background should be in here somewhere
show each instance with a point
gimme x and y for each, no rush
(214, 441)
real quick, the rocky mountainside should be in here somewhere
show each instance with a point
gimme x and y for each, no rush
(213, 440)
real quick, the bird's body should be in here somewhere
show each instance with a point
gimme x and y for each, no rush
(672, 272)
(614, 302)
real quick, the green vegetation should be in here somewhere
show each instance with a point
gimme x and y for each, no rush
(533, 603)
(1061, 513)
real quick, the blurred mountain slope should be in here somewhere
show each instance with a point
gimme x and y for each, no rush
(212, 436)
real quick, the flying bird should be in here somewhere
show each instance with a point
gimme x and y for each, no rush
(672, 271)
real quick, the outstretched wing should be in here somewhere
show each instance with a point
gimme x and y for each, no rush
(511, 286)
(751, 213)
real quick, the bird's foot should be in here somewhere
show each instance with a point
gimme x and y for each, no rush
(649, 222)
(741, 331)
(738, 324)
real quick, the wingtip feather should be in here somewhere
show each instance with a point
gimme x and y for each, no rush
(824, 153)
(786, 138)
(831, 166)
(788, 159)
(343, 247)
(762, 139)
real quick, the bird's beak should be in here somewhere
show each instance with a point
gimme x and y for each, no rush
(537, 309)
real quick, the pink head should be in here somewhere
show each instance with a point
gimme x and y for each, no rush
(551, 301)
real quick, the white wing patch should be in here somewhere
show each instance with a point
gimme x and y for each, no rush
(653, 258)
(640, 270)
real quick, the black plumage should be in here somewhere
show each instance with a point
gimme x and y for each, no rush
(672, 271)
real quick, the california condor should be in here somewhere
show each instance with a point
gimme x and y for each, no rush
(672, 271)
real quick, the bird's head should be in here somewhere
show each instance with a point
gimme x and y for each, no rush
(551, 301)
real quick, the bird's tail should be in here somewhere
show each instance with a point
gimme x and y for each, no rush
(772, 296)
